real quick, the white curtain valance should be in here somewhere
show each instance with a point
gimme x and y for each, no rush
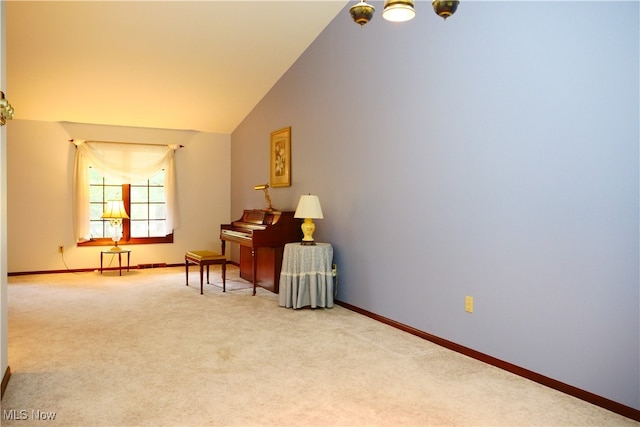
(125, 162)
(122, 162)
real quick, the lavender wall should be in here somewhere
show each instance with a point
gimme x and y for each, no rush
(493, 155)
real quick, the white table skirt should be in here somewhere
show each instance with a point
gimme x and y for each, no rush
(306, 278)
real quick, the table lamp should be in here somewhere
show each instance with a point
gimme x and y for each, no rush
(309, 209)
(115, 212)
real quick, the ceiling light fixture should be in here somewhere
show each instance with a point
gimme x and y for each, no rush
(362, 12)
(445, 8)
(399, 10)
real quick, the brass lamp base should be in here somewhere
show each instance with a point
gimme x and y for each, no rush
(308, 227)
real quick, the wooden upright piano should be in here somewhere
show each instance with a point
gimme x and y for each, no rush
(262, 235)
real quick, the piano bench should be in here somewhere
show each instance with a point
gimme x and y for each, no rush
(206, 258)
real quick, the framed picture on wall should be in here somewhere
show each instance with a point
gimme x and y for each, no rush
(281, 158)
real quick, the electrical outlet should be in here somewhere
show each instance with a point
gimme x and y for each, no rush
(468, 304)
(61, 249)
(334, 270)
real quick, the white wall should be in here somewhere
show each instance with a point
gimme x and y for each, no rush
(4, 334)
(39, 195)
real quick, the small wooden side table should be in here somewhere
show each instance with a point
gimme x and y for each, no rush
(119, 252)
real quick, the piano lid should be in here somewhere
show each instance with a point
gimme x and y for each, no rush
(263, 228)
(253, 216)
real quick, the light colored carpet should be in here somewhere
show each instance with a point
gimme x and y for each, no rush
(144, 349)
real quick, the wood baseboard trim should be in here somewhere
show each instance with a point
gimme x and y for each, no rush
(86, 270)
(592, 398)
(5, 381)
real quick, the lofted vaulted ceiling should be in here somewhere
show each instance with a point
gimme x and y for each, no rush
(200, 65)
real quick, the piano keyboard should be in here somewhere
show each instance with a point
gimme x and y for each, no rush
(236, 234)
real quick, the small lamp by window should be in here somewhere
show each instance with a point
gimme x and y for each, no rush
(115, 212)
(309, 209)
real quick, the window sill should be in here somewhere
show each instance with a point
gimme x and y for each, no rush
(132, 241)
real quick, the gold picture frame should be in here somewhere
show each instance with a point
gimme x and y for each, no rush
(281, 158)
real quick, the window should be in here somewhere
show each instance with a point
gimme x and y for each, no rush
(141, 175)
(101, 190)
(147, 203)
(144, 201)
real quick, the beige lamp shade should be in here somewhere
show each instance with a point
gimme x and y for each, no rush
(309, 207)
(115, 209)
